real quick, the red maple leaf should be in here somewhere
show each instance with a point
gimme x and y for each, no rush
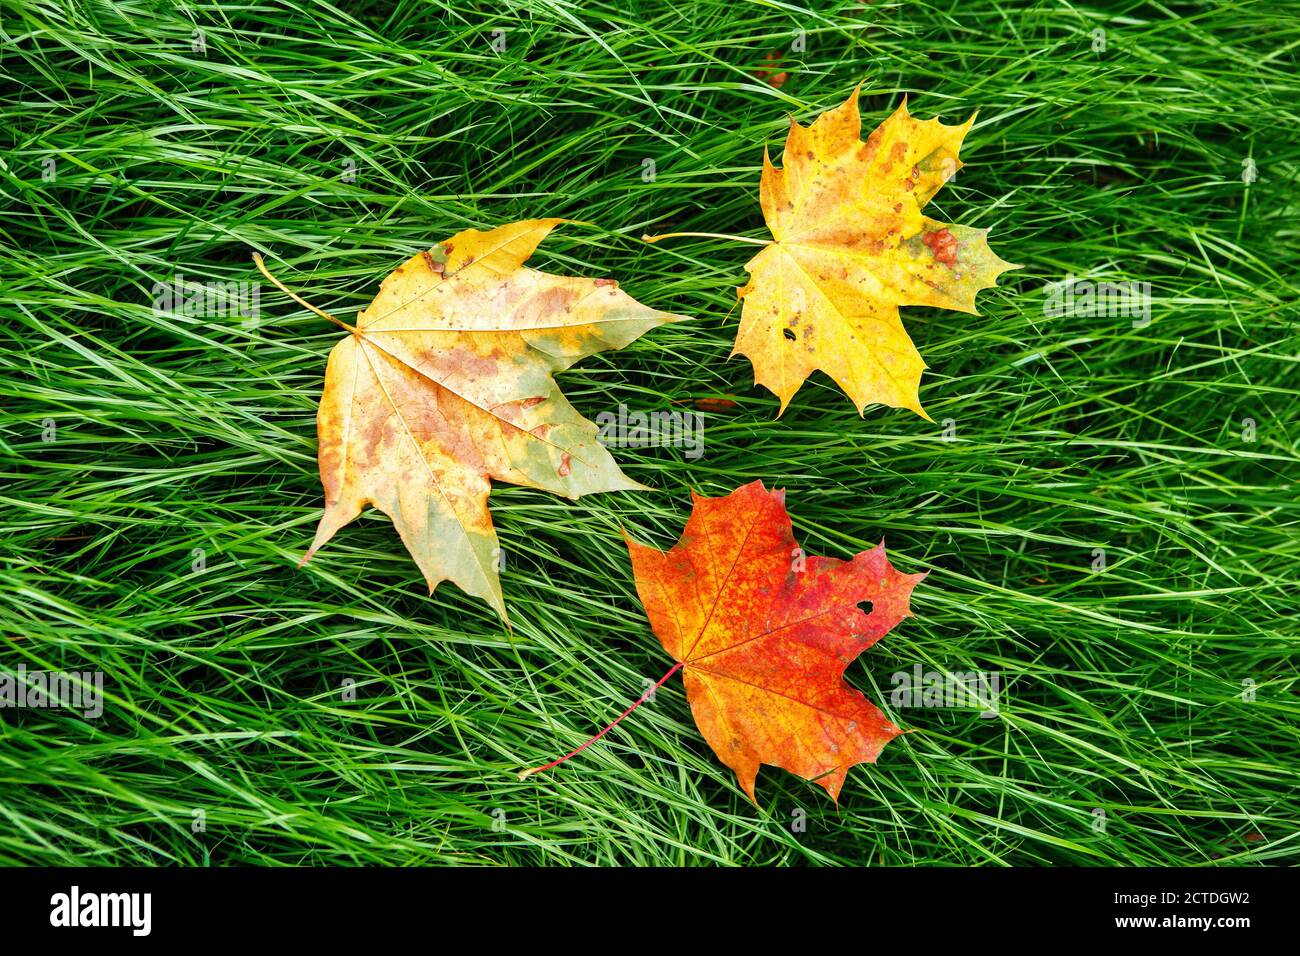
(763, 634)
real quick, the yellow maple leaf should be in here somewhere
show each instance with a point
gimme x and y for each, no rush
(445, 382)
(850, 245)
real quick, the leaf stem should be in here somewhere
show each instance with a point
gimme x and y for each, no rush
(708, 235)
(644, 697)
(257, 259)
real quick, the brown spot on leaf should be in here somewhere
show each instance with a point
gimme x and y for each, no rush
(873, 145)
(943, 245)
(564, 469)
(554, 300)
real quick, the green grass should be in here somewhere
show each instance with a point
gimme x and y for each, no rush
(173, 433)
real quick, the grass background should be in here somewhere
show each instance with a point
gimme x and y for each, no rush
(173, 433)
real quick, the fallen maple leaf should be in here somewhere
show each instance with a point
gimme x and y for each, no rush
(850, 246)
(763, 635)
(445, 383)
